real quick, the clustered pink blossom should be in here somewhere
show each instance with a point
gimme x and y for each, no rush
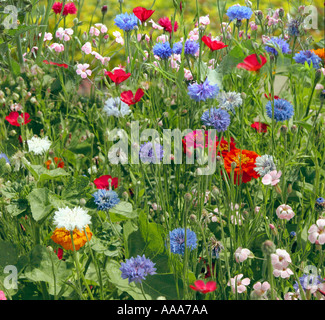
(57, 47)
(64, 34)
(261, 289)
(272, 178)
(280, 261)
(82, 70)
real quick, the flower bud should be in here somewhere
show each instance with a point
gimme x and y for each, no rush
(181, 186)
(268, 247)
(215, 192)
(193, 217)
(104, 9)
(188, 197)
(284, 129)
(294, 129)
(281, 13)
(82, 202)
(273, 229)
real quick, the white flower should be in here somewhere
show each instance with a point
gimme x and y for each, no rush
(92, 169)
(18, 160)
(117, 155)
(229, 100)
(38, 145)
(70, 219)
(116, 107)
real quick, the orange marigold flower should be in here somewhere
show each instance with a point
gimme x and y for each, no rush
(48, 163)
(245, 164)
(62, 237)
(320, 53)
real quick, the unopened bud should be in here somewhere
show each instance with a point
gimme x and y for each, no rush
(289, 190)
(215, 191)
(193, 217)
(294, 129)
(268, 247)
(188, 197)
(82, 202)
(104, 9)
(284, 129)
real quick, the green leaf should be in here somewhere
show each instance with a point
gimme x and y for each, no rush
(44, 265)
(39, 203)
(235, 56)
(8, 254)
(122, 211)
(152, 233)
(215, 78)
(53, 174)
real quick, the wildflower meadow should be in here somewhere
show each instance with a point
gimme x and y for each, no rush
(162, 151)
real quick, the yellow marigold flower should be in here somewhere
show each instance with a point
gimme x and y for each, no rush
(62, 237)
(319, 52)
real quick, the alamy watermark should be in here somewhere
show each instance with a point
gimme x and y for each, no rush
(10, 282)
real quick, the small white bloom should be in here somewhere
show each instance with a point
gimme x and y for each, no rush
(39, 145)
(117, 155)
(70, 219)
(116, 107)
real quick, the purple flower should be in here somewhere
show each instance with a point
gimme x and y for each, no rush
(136, 269)
(217, 118)
(203, 91)
(191, 47)
(151, 153)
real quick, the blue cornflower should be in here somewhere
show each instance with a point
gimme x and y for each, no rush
(162, 50)
(283, 109)
(239, 12)
(308, 281)
(4, 156)
(203, 91)
(105, 199)
(229, 100)
(308, 56)
(320, 204)
(136, 269)
(191, 47)
(292, 234)
(279, 44)
(151, 153)
(126, 21)
(217, 118)
(293, 28)
(177, 240)
(320, 200)
(177, 48)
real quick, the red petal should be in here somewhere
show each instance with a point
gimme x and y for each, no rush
(127, 97)
(142, 13)
(138, 95)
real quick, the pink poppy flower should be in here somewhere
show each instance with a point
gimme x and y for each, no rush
(272, 178)
(202, 287)
(236, 282)
(317, 232)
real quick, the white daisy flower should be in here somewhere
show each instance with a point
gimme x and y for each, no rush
(70, 219)
(39, 145)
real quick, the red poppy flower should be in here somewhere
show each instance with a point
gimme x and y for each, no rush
(118, 75)
(69, 8)
(57, 7)
(269, 96)
(213, 44)
(12, 118)
(245, 164)
(202, 287)
(56, 64)
(128, 98)
(259, 126)
(142, 13)
(60, 253)
(251, 63)
(167, 25)
(102, 182)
